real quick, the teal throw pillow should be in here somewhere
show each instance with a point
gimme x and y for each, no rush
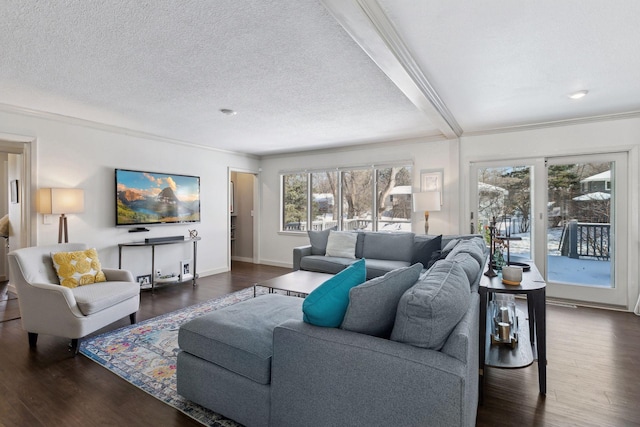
(326, 305)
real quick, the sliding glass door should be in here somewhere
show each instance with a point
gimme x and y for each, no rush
(566, 214)
(587, 228)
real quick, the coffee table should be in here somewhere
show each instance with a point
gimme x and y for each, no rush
(299, 281)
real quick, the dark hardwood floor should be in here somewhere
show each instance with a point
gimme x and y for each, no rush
(593, 370)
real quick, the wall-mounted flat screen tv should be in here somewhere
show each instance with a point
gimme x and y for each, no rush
(150, 198)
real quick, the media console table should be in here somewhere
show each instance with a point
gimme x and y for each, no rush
(532, 342)
(153, 245)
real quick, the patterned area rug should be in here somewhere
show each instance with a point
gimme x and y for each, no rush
(145, 355)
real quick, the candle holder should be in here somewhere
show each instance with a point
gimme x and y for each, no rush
(490, 271)
(504, 328)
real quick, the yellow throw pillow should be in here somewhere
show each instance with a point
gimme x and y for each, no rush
(78, 268)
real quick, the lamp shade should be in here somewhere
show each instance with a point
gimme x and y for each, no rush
(426, 201)
(60, 200)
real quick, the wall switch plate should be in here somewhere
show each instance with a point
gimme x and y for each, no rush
(158, 272)
(47, 219)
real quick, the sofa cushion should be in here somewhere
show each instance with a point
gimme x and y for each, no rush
(451, 244)
(380, 267)
(391, 246)
(430, 310)
(239, 337)
(341, 244)
(426, 250)
(468, 264)
(78, 268)
(373, 304)
(325, 264)
(99, 296)
(471, 247)
(318, 240)
(326, 305)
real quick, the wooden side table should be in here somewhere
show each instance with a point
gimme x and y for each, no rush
(533, 287)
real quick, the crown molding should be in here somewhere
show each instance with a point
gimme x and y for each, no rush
(552, 124)
(75, 121)
(359, 147)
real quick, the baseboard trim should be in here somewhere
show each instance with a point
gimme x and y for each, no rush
(212, 272)
(242, 259)
(276, 263)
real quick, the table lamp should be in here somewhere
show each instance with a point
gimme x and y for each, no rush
(426, 201)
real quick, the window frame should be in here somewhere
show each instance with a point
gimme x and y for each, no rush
(339, 172)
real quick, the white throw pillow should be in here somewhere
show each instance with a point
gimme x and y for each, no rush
(342, 244)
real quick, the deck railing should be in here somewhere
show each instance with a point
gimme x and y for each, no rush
(395, 224)
(586, 240)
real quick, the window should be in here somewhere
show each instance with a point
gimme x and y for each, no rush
(393, 198)
(324, 198)
(372, 198)
(357, 199)
(294, 212)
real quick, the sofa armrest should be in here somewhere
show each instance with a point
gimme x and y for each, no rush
(298, 253)
(326, 374)
(117, 275)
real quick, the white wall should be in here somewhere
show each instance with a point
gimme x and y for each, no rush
(71, 153)
(276, 248)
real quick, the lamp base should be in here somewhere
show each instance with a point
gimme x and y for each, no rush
(62, 225)
(426, 222)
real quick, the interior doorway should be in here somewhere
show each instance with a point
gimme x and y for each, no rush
(16, 170)
(242, 218)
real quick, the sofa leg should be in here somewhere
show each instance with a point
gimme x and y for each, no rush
(33, 339)
(74, 347)
(132, 317)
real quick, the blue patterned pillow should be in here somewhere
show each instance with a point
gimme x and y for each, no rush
(327, 304)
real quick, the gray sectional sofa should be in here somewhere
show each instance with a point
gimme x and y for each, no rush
(405, 354)
(383, 251)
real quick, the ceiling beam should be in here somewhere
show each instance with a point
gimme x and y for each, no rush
(367, 24)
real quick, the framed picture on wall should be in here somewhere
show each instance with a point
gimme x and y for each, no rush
(431, 180)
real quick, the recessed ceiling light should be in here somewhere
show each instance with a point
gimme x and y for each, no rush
(579, 94)
(228, 112)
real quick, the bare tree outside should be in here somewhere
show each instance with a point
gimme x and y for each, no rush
(360, 206)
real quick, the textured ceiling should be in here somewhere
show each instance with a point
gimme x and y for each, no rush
(311, 74)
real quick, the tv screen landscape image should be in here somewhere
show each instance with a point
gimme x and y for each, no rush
(149, 198)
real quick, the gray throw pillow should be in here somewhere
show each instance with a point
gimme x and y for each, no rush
(449, 247)
(471, 248)
(431, 309)
(373, 304)
(468, 264)
(318, 240)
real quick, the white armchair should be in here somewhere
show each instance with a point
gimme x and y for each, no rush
(48, 308)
